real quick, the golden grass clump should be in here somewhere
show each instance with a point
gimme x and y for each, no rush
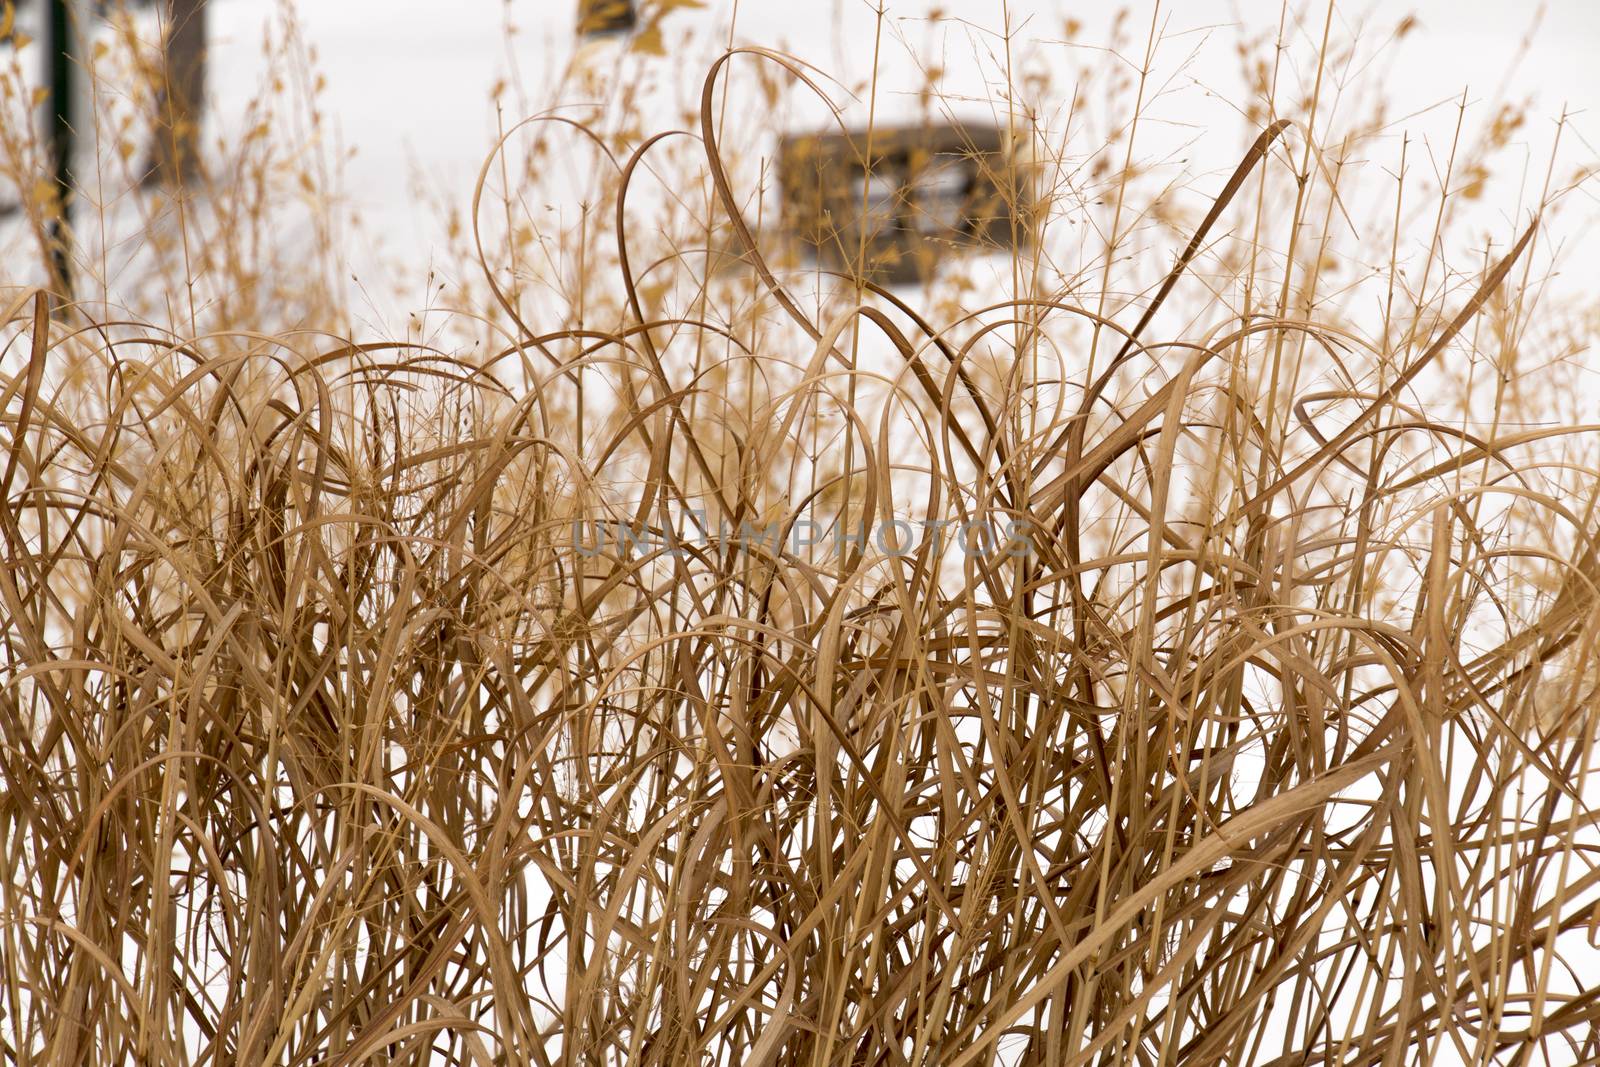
(1172, 642)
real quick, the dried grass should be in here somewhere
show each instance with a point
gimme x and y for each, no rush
(333, 734)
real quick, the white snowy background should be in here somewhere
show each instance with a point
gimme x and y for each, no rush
(409, 83)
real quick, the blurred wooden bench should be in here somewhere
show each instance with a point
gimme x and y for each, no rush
(891, 205)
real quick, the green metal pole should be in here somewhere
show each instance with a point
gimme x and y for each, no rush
(59, 138)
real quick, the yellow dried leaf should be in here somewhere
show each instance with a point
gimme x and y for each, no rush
(649, 41)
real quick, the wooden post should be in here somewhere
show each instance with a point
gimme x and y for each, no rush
(60, 138)
(175, 154)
